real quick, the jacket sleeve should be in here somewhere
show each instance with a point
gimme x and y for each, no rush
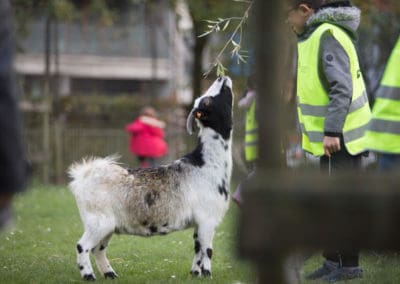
(247, 99)
(335, 74)
(135, 127)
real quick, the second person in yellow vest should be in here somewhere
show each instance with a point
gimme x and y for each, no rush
(248, 103)
(383, 135)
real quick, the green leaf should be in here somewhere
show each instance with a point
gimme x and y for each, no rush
(206, 33)
(226, 25)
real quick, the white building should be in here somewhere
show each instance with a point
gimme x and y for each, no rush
(129, 57)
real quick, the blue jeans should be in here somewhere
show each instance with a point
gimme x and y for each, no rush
(388, 162)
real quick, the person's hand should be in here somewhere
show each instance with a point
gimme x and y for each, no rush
(331, 145)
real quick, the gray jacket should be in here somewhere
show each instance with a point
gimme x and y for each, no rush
(334, 64)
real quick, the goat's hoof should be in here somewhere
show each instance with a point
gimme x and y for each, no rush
(206, 273)
(195, 273)
(89, 277)
(111, 275)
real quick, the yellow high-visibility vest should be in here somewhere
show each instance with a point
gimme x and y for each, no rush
(251, 135)
(313, 99)
(383, 134)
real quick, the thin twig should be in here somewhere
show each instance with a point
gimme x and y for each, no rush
(217, 60)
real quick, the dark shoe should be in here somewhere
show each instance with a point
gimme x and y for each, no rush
(343, 273)
(326, 268)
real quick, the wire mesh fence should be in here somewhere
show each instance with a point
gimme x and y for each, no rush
(78, 143)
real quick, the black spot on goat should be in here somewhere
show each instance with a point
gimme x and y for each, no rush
(197, 246)
(222, 190)
(209, 253)
(196, 157)
(150, 197)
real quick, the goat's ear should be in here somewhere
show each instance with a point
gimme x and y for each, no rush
(189, 122)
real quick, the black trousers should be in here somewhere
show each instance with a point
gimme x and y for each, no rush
(341, 161)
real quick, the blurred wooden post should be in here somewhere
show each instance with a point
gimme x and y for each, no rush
(269, 64)
(59, 131)
(284, 212)
(48, 102)
(269, 43)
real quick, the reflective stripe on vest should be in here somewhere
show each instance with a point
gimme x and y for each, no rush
(322, 110)
(251, 136)
(313, 99)
(384, 131)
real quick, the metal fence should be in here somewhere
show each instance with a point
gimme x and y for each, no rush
(77, 143)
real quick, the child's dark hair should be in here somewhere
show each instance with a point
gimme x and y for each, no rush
(315, 4)
(335, 3)
(319, 4)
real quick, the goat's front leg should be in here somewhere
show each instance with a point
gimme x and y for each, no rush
(102, 262)
(198, 256)
(203, 250)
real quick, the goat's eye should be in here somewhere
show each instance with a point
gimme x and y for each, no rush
(206, 101)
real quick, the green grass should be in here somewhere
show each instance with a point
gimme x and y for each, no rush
(40, 248)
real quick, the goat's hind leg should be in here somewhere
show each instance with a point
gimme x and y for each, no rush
(102, 262)
(90, 240)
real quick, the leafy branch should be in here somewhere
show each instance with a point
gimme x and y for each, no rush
(215, 26)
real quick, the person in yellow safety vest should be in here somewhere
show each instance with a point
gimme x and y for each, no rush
(332, 103)
(251, 128)
(248, 102)
(383, 135)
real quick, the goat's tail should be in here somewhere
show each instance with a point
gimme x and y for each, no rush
(93, 168)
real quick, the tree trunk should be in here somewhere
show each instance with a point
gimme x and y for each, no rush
(152, 43)
(47, 100)
(197, 72)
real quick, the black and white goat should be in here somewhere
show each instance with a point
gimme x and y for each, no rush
(190, 192)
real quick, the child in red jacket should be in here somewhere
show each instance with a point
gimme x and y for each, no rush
(147, 137)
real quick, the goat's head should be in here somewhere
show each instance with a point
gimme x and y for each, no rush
(214, 108)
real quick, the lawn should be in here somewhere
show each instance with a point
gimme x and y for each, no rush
(40, 248)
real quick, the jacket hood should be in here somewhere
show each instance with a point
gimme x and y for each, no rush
(347, 18)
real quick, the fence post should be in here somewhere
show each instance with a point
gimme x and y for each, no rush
(59, 157)
(46, 142)
(48, 103)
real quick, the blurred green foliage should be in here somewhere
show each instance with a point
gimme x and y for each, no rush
(104, 11)
(101, 110)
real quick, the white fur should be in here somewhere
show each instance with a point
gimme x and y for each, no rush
(145, 202)
(214, 89)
